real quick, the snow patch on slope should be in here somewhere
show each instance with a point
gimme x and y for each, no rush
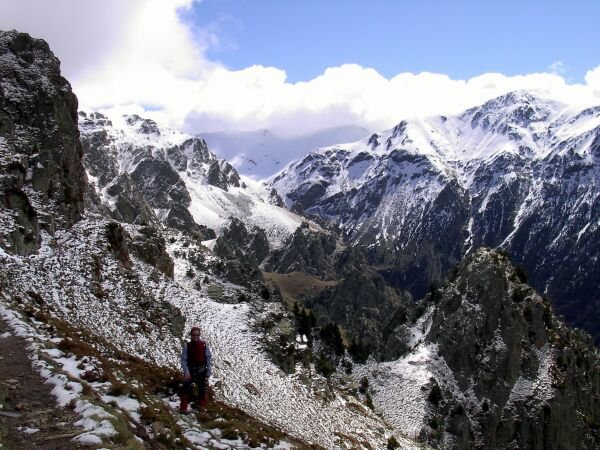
(210, 205)
(540, 387)
(244, 376)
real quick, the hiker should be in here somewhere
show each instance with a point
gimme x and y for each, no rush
(195, 362)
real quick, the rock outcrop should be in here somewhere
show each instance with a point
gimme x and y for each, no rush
(42, 180)
(307, 251)
(138, 171)
(520, 378)
(518, 172)
(237, 242)
(242, 251)
(365, 306)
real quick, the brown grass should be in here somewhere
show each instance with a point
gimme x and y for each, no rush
(296, 286)
(122, 370)
(356, 443)
(235, 424)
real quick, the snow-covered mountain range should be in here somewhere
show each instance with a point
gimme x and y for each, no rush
(144, 174)
(262, 153)
(132, 288)
(518, 172)
(104, 268)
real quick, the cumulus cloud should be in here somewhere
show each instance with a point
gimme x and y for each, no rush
(260, 97)
(558, 67)
(143, 56)
(83, 34)
(592, 78)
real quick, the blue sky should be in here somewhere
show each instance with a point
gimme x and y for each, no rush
(299, 66)
(459, 38)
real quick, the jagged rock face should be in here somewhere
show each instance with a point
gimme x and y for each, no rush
(558, 240)
(42, 181)
(306, 251)
(517, 172)
(494, 211)
(517, 373)
(242, 251)
(130, 205)
(237, 242)
(160, 184)
(275, 198)
(149, 245)
(193, 155)
(139, 175)
(143, 126)
(365, 307)
(147, 175)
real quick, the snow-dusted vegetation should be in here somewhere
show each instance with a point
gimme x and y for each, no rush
(76, 278)
(118, 237)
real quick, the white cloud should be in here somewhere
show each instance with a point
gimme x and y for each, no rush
(140, 55)
(120, 53)
(82, 33)
(592, 78)
(260, 97)
(558, 67)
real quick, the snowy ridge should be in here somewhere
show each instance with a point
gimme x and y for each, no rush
(243, 374)
(211, 206)
(260, 154)
(517, 123)
(129, 141)
(519, 171)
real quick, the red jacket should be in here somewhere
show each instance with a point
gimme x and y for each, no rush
(196, 355)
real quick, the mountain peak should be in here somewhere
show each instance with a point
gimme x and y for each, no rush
(519, 108)
(141, 125)
(516, 97)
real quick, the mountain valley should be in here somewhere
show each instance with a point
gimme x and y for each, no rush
(398, 292)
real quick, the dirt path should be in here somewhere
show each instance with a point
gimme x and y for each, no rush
(27, 403)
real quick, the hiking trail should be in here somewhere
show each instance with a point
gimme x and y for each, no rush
(29, 414)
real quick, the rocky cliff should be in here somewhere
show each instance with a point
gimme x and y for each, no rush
(519, 172)
(40, 152)
(493, 366)
(521, 377)
(139, 182)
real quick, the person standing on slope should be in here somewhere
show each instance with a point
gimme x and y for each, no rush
(196, 365)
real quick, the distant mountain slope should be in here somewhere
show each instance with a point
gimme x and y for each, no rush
(518, 172)
(144, 174)
(139, 287)
(105, 279)
(261, 153)
(488, 366)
